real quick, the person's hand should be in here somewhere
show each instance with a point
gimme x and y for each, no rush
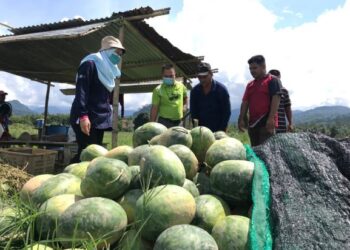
(290, 128)
(270, 125)
(241, 125)
(85, 125)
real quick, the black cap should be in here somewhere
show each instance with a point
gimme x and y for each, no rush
(203, 69)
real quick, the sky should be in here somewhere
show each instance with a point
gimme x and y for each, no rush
(308, 41)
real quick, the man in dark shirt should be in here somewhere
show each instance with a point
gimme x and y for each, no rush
(261, 98)
(210, 101)
(285, 108)
(5, 113)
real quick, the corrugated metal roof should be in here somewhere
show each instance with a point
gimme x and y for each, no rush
(52, 52)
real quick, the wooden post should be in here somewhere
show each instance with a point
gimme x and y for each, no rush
(116, 97)
(46, 109)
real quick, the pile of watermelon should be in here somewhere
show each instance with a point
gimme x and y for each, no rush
(175, 189)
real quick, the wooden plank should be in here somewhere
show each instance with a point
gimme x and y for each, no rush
(116, 96)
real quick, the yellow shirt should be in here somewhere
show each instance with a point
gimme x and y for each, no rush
(169, 100)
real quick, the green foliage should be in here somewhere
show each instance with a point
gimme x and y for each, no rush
(60, 119)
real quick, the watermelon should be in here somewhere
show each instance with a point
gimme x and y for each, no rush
(162, 207)
(185, 237)
(225, 149)
(202, 138)
(92, 151)
(50, 210)
(220, 135)
(232, 233)
(162, 166)
(78, 169)
(146, 132)
(38, 247)
(232, 180)
(106, 177)
(128, 203)
(30, 186)
(132, 241)
(187, 158)
(135, 177)
(97, 218)
(175, 135)
(120, 153)
(155, 140)
(60, 184)
(202, 182)
(191, 187)
(136, 155)
(8, 217)
(209, 210)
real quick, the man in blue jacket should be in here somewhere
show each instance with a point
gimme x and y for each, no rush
(91, 112)
(210, 101)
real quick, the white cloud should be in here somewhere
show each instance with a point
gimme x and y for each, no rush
(287, 11)
(313, 57)
(32, 93)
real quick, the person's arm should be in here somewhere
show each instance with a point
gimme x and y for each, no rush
(270, 124)
(289, 115)
(242, 119)
(226, 111)
(185, 99)
(155, 105)
(288, 110)
(84, 80)
(154, 113)
(275, 87)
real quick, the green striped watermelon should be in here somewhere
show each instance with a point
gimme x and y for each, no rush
(232, 233)
(185, 237)
(106, 177)
(59, 184)
(92, 218)
(163, 207)
(162, 166)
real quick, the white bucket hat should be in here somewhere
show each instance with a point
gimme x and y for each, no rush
(111, 42)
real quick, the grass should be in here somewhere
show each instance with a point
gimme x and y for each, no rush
(16, 129)
(124, 138)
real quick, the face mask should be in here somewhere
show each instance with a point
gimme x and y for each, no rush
(168, 80)
(115, 58)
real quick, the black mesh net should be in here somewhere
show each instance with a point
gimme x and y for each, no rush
(310, 191)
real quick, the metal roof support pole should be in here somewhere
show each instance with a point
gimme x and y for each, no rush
(116, 96)
(46, 109)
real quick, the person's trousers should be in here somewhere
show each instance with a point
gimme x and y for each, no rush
(259, 135)
(169, 123)
(83, 140)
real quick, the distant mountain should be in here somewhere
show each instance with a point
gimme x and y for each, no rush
(321, 114)
(145, 109)
(52, 109)
(19, 108)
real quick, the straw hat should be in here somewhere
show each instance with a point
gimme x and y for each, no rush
(111, 42)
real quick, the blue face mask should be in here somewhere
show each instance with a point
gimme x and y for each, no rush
(115, 58)
(168, 80)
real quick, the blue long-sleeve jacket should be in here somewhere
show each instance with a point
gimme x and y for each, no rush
(212, 110)
(91, 98)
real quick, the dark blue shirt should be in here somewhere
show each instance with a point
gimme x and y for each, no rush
(91, 98)
(212, 110)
